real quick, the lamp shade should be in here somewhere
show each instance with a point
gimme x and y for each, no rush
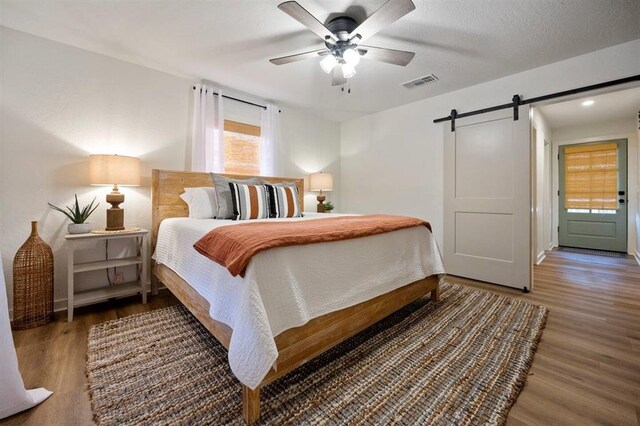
(114, 170)
(320, 182)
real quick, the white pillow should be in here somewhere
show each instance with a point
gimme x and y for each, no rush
(202, 202)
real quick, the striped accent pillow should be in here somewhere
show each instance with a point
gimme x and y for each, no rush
(283, 201)
(249, 201)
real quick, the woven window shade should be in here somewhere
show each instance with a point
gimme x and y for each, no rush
(591, 176)
(241, 148)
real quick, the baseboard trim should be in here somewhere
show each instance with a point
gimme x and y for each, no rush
(60, 305)
(541, 257)
(637, 256)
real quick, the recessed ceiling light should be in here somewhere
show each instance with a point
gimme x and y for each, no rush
(588, 103)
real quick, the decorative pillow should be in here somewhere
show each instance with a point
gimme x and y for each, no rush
(249, 201)
(283, 200)
(201, 201)
(223, 194)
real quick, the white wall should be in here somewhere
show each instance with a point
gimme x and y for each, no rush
(311, 145)
(59, 104)
(622, 129)
(540, 190)
(392, 161)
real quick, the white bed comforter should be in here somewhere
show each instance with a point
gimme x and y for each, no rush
(288, 286)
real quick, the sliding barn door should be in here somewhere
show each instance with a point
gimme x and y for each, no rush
(487, 200)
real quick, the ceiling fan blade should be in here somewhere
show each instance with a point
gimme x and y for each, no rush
(337, 77)
(390, 12)
(390, 56)
(298, 57)
(301, 15)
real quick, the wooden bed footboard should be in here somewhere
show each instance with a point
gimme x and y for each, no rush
(300, 344)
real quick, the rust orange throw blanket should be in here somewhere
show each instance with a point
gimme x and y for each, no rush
(233, 246)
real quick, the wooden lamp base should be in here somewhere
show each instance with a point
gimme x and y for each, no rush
(115, 215)
(115, 219)
(321, 198)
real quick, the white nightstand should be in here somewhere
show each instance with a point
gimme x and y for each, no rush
(86, 241)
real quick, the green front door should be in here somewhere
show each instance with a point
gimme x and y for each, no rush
(593, 195)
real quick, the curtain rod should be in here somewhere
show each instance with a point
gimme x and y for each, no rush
(454, 115)
(239, 100)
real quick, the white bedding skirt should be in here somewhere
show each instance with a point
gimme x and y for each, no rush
(288, 286)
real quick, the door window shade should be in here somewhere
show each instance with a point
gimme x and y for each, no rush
(591, 176)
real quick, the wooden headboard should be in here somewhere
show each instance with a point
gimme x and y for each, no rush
(167, 185)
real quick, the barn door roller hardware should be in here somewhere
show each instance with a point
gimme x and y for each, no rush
(516, 101)
(453, 116)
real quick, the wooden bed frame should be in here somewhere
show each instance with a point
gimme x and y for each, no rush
(297, 345)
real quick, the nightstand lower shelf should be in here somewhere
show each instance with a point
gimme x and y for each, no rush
(104, 293)
(104, 264)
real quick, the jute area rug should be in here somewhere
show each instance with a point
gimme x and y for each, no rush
(460, 361)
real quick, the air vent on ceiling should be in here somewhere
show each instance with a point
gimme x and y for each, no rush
(431, 78)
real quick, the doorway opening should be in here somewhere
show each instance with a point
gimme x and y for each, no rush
(585, 175)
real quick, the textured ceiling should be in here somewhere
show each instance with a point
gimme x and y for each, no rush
(621, 105)
(464, 42)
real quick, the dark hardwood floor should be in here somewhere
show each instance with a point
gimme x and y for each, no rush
(586, 370)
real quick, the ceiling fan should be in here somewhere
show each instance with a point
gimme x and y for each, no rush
(342, 37)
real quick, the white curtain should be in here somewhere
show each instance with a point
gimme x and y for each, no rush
(13, 396)
(269, 138)
(207, 144)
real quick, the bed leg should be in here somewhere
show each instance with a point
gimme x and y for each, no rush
(250, 404)
(435, 293)
(154, 284)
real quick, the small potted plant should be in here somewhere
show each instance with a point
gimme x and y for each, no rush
(328, 207)
(78, 216)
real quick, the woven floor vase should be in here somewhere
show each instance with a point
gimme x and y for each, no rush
(32, 283)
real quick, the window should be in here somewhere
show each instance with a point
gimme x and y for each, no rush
(591, 178)
(241, 148)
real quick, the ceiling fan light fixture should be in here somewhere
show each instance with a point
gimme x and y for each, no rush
(348, 70)
(342, 36)
(327, 63)
(351, 57)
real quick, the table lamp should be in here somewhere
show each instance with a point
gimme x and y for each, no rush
(114, 170)
(321, 182)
